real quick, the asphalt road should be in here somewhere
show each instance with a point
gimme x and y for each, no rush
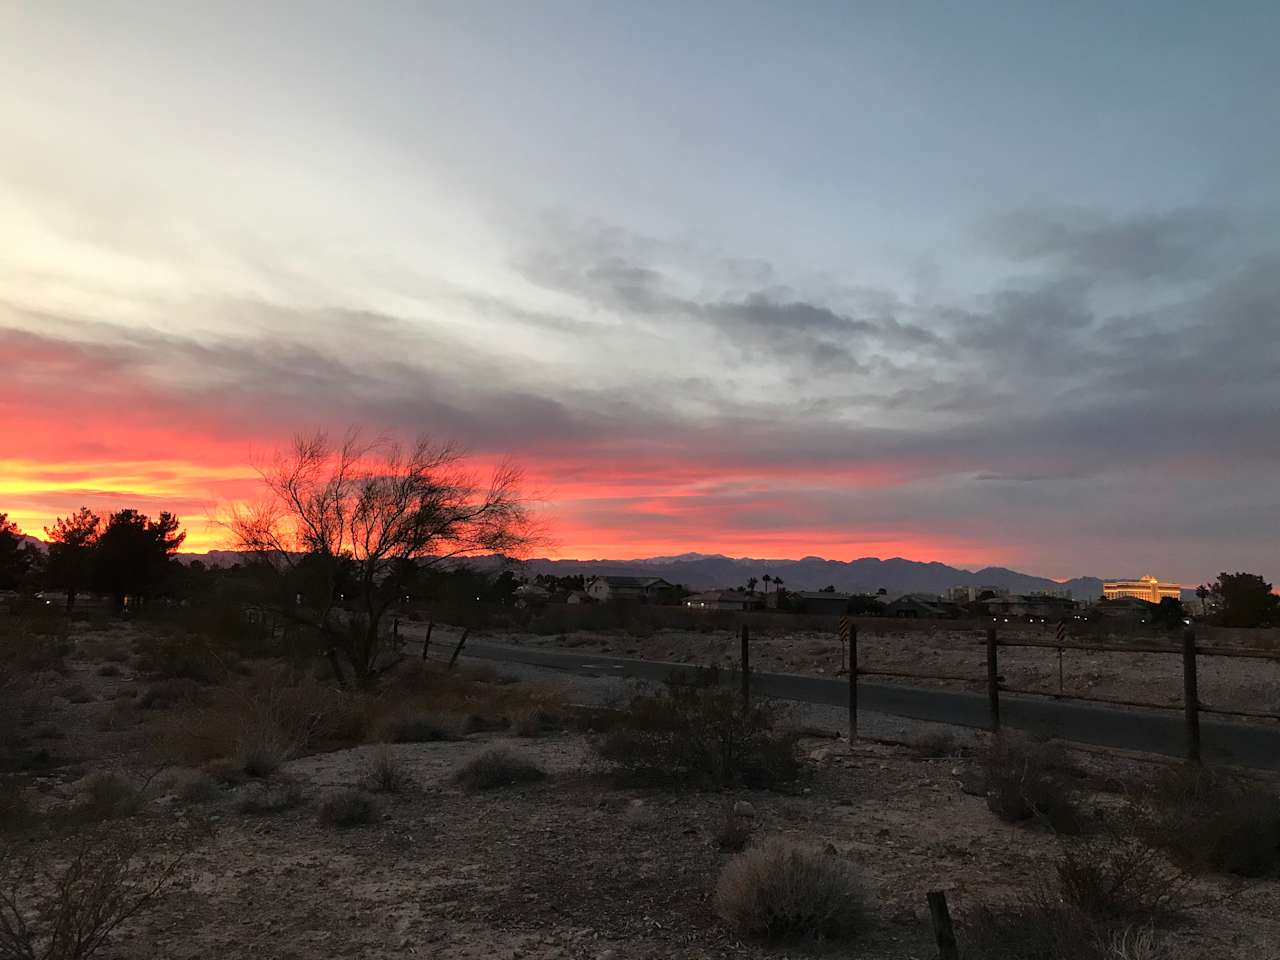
(1151, 731)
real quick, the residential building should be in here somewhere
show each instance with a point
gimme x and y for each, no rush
(970, 594)
(642, 589)
(1124, 608)
(818, 602)
(1146, 588)
(724, 600)
(921, 606)
(1037, 606)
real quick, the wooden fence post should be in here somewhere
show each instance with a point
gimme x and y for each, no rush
(853, 682)
(993, 679)
(427, 640)
(1190, 694)
(943, 933)
(746, 669)
(458, 649)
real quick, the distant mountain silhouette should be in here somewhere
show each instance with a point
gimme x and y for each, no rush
(701, 571)
(896, 576)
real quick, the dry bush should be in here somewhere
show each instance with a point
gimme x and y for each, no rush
(76, 693)
(265, 799)
(180, 655)
(940, 745)
(734, 831)
(196, 786)
(347, 808)
(1210, 819)
(422, 728)
(107, 795)
(385, 773)
(696, 734)
(1027, 779)
(33, 642)
(497, 768)
(535, 722)
(1103, 892)
(108, 670)
(780, 890)
(172, 692)
(122, 714)
(1113, 878)
(63, 901)
(16, 812)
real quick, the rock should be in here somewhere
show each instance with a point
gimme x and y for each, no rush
(744, 809)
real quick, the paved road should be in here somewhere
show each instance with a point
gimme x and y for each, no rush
(1152, 731)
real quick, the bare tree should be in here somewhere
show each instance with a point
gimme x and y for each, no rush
(370, 514)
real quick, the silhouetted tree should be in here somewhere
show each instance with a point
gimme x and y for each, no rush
(376, 505)
(1170, 614)
(751, 584)
(1244, 600)
(768, 579)
(18, 559)
(829, 588)
(72, 541)
(862, 605)
(133, 554)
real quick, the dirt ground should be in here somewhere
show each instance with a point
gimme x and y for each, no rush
(571, 867)
(1225, 683)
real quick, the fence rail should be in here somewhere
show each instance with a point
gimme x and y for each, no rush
(1189, 651)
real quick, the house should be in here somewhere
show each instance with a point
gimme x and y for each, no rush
(1034, 607)
(577, 597)
(819, 602)
(724, 600)
(642, 589)
(920, 606)
(1124, 608)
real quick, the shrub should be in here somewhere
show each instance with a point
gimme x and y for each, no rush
(197, 786)
(264, 799)
(535, 723)
(1209, 819)
(780, 890)
(1103, 893)
(384, 773)
(1110, 878)
(172, 692)
(260, 750)
(422, 728)
(64, 902)
(696, 733)
(734, 831)
(108, 670)
(15, 809)
(76, 693)
(347, 808)
(1026, 780)
(106, 795)
(497, 768)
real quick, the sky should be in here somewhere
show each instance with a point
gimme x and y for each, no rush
(984, 283)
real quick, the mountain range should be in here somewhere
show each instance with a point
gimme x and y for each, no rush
(896, 576)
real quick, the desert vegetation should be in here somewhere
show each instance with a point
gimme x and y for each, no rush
(665, 820)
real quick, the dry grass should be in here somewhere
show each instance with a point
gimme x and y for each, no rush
(420, 728)
(266, 799)
(497, 768)
(107, 795)
(347, 808)
(385, 773)
(780, 890)
(734, 831)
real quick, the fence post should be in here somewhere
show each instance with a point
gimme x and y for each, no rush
(943, 933)
(427, 640)
(458, 649)
(746, 669)
(1190, 694)
(993, 679)
(853, 682)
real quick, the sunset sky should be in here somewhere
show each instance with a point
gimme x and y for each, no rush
(978, 283)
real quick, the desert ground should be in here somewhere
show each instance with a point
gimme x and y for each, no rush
(571, 866)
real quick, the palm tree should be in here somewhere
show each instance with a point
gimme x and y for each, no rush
(777, 584)
(751, 584)
(767, 580)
